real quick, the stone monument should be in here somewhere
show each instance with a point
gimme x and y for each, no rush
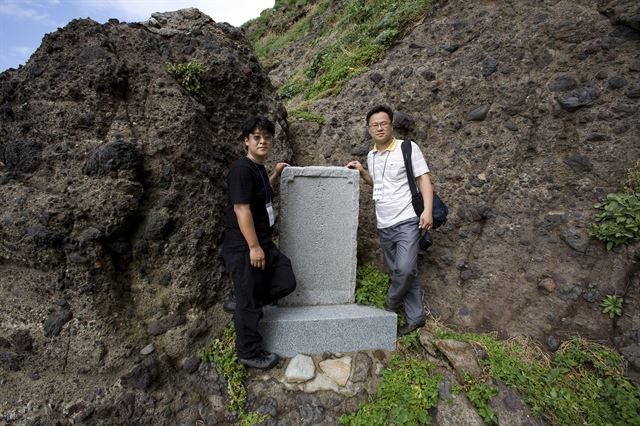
(318, 232)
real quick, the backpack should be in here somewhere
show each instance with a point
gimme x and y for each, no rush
(439, 210)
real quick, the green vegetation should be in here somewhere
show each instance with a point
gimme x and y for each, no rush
(409, 341)
(307, 116)
(222, 353)
(371, 286)
(480, 393)
(345, 40)
(188, 75)
(583, 384)
(618, 221)
(632, 180)
(408, 389)
(612, 306)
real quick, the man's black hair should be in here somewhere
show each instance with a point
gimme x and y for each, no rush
(257, 122)
(380, 108)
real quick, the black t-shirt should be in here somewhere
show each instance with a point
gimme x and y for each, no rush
(247, 183)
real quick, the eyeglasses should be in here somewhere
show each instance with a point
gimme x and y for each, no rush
(257, 137)
(381, 125)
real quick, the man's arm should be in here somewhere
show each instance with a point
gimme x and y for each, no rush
(248, 230)
(355, 164)
(273, 179)
(426, 190)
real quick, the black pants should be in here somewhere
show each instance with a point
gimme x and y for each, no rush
(254, 288)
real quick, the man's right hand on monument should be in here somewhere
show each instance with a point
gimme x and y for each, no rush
(355, 164)
(256, 257)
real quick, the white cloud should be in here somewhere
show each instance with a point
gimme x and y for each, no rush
(234, 12)
(25, 10)
(23, 50)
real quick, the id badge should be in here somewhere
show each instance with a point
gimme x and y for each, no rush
(377, 191)
(271, 213)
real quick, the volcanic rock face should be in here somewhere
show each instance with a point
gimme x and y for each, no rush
(113, 188)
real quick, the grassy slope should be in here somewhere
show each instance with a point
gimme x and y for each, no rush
(340, 39)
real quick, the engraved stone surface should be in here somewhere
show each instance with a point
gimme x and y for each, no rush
(318, 232)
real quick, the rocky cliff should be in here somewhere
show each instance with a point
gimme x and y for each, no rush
(112, 190)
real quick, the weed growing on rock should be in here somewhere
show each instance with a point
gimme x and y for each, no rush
(632, 180)
(583, 384)
(618, 221)
(409, 388)
(409, 341)
(307, 116)
(222, 354)
(371, 286)
(612, 305)
(188, 75)
(480, 394)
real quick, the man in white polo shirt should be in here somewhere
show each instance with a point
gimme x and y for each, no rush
(398, 225)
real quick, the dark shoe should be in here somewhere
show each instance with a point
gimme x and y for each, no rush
(390, 308)
(264, 361)
(229, 305)
(408, 328)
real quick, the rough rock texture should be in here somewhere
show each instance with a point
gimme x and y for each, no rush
(112, 195)
(112, 188)
(531, 119)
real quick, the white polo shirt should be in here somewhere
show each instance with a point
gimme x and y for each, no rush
(387, 167)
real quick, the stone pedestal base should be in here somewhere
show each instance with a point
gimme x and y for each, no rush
(312, 330)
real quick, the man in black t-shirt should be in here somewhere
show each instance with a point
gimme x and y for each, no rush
(261, 273)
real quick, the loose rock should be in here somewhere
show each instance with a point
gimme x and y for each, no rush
(300, 369)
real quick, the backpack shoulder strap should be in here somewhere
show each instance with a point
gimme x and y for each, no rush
(406, 155)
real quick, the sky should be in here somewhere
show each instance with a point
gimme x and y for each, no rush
(23, 23)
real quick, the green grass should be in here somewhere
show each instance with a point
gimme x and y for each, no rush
(344, 40)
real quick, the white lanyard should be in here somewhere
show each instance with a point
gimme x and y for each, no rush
(268, 196)
(377, 186)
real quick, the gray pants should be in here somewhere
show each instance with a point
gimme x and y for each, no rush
(400, 246)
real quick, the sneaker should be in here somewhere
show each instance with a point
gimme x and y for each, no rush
(229, 305)
(408, 328)
(263, 361)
